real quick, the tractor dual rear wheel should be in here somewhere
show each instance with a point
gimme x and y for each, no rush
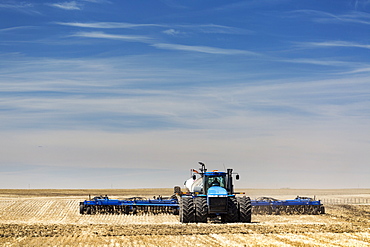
(187, 210)
(245, 209)
(201, 209)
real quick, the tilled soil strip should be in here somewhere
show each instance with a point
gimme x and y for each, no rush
(38, 230)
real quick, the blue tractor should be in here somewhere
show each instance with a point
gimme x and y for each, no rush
(211, 195)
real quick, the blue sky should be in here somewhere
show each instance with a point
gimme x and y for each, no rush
(126, 94)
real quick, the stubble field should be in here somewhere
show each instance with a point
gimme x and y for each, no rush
(51, 218)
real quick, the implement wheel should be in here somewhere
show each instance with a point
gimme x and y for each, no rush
(322, 209)
(201, 209)
(88, 210)
(245, 209)
(82, 209)
(187, 210)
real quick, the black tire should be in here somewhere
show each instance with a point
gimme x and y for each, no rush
(232, 211)
(245, 209)
(201, 209)
(94, 209)
(277, 211)
(322, 209)
(175, 211)
(301, 209)
(82, 209)
(88, 210)
(187, 210)
(269, 210)
(316, 210)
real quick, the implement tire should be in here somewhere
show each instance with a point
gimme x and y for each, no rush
(187, 210)
(201, 209)
(82, 209)
(245, 209)
(322, 209)
(88, 210)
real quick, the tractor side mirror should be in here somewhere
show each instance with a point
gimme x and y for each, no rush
(194, 177)
(237, 177)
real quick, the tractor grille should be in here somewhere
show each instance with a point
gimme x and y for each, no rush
(217, 204)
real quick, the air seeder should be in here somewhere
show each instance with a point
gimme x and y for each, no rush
(208, 195)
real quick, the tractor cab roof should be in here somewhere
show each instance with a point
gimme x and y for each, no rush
(214, 173)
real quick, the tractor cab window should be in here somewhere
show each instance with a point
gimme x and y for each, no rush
(216, 180)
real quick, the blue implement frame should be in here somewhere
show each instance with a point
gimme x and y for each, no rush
(114, 206)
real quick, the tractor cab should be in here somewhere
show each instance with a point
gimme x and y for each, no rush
(202, 181)
(214, 179)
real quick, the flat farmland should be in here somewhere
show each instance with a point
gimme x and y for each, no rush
(51, 218)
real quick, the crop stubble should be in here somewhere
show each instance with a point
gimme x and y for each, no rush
(39, 219)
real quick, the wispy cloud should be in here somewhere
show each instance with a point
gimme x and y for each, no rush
(212, 28)
(100, 87)
(359, 70)
(346, 67)
(203, 49)
(166, 46)
(101, 35)
(73, 5)
(326, 17)
(320, 62)
(16, 28)
(334, 44)
(27, 8)
(360, 3)
(15, 6)
(198, 28)
(106, 25)
(172, 32)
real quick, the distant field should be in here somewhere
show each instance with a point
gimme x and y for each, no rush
(51, 218)
(84, 192)
(253, 193)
